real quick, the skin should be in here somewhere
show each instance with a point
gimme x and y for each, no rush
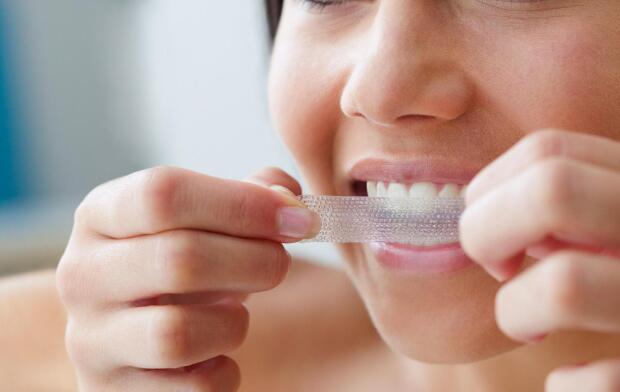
(526, 92)
(469, 79)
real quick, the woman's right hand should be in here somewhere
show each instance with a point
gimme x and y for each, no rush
(156, 270)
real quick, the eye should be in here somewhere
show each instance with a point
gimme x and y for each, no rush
(512, 4)
(320, 5)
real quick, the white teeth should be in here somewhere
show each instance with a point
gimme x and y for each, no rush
(371, 188)
(449, 190)
(463, 190)
(418, 189)
(397, 190)
(381, 189)
(423, 189)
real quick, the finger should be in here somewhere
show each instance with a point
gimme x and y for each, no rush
(601, 376)
(564, 199)
(173, 262)
(163, 337)
(273, 177)
(542, 145)
(217, 374)
(567, 290)
(161, 199)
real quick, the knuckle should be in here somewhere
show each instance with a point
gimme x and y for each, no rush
(83, 210)
(159, 192)
(228, 379)
(238, 327)
(564, 274)
(545, 143)
(169, 336)
(92, 199)
(68, 278)
(80, 216)
(555, 184)
(177, 256)
(244, 211)
(243, 214)
(75, 344)
(276, 269)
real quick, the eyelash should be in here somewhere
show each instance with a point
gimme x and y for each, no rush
(321, 5)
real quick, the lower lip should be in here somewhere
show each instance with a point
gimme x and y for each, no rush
(422, 260)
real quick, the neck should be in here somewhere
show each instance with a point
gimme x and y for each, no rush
(522, 369)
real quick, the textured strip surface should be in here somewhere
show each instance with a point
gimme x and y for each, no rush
(417, 221)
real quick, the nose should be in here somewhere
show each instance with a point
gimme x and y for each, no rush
(409, 71)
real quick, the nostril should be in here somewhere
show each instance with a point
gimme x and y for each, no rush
(418, 117)
(402, 121)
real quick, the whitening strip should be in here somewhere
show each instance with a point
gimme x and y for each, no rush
(416, 221)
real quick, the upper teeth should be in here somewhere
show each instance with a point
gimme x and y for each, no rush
(417, 189)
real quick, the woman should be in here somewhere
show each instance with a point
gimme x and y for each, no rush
(516, 100)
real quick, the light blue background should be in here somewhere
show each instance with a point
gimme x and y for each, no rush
(11, 188)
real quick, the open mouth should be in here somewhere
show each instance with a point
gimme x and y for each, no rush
(421, 189)
(421, 214)
(432, 182)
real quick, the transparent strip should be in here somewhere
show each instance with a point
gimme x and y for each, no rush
(418, 221)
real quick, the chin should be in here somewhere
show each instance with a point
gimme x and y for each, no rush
(439, 337)
(441, 318)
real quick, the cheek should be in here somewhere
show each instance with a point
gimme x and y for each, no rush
(564, 76)
(303, 98)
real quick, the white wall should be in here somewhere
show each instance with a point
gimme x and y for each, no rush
(205, 67)
(112, 86)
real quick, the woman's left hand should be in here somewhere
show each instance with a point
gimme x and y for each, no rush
(555, 196)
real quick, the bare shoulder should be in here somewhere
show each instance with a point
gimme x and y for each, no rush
(313, 316)
(32, 339)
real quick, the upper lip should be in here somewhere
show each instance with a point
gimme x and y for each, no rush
(429, 169)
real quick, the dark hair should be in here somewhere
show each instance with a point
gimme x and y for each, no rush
(274, 11)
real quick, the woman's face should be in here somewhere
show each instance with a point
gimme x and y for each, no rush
(431, 91)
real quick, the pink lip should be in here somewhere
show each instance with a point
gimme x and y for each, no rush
(431, 169)
(421, 260)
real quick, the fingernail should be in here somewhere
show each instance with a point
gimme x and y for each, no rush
(297, 222)
(282, 189)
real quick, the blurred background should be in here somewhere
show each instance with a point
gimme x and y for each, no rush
(95, 89)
